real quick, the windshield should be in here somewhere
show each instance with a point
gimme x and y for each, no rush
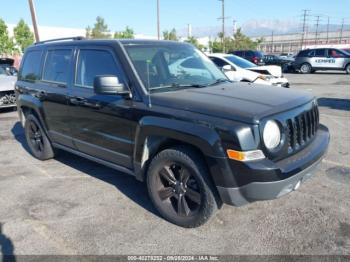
(238, 61)
(168, 67)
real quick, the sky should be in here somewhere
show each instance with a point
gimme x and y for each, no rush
(141, 14)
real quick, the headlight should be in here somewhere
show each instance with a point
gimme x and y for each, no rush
(265, 77)
(272, 135)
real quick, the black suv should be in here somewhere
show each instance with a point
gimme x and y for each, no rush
(195, 138)
(255, 57)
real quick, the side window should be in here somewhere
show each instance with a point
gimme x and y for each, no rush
(57, 64)
(320, 53)
(218, 62)
(335, 53)
(31, 66)
(311, 53)
(92, 63)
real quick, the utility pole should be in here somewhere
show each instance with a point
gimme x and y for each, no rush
(158, 20)
(317, 25)
(34, 21)
(341, 30)
(328, 29)
(305, 16)
(223, 18)
(189, 31)
(272, 42)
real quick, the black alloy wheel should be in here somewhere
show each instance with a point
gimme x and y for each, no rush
(180, 187)
(37, 140)
(178, 190)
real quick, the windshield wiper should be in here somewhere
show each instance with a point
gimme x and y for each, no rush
(219, 81)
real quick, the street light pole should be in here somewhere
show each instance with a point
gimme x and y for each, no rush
(34, 21)
(158, 20)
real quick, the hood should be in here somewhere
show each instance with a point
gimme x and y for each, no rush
(235, 101)
(7, 83)
(275, 71)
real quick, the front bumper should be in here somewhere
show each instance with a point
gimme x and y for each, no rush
(296, 169)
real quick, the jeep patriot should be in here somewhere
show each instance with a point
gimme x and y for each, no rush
(197, 140)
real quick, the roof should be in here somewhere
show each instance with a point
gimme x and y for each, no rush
(84, 41)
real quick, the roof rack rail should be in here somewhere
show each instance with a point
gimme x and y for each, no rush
(61, 39)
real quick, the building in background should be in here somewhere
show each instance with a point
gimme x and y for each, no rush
(291, 43)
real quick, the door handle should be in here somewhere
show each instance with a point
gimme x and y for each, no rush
(77, 101)
(92, 105)
(40, 94)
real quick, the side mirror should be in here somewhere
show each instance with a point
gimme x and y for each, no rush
(109, 85)
(226, 68)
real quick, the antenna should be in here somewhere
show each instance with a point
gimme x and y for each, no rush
(149, 84)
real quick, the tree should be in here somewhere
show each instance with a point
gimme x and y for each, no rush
(239, 42)
(23, 36)
(170, 35)
(7, 45)
(128, 33)
(99, 31)
(194, 41)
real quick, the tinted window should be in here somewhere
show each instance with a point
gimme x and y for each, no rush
(303, 53)
(320, 52)
(219, 62)
(31, 66)
(94, 63)
(57, 66)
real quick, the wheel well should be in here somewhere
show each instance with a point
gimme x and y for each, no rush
(156, 144)
(26, 111)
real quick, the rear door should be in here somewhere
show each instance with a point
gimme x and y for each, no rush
(319, 58)
(102, 125)
(55, 80)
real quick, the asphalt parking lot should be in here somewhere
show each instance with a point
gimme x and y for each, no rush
(73, 206)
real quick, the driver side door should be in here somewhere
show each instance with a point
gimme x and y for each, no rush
(102, 125)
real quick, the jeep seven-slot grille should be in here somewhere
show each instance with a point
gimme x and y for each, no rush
(301, 129)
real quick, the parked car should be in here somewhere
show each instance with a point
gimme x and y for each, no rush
(286, 55)
(7, 84)
(311, 60)
(255, 57)
(197, 140)
(238, 69)
(285, 62)
(7, 65)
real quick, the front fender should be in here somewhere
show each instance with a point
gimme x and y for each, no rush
(203, 138)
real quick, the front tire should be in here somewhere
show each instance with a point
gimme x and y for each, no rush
(347, 69)
(39, 144)
(306, 68)
(180, 187)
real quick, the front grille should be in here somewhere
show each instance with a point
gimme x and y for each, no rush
(301, 129)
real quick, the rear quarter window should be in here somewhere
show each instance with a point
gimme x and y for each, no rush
(31, 68)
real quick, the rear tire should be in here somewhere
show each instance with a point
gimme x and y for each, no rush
(180, 187)
(306, 68)
(37, 140)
